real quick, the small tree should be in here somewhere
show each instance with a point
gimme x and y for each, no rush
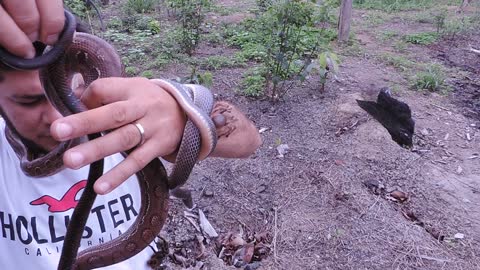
(285, 40)
(190, 14)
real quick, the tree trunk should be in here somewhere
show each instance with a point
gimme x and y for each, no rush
(345, 20)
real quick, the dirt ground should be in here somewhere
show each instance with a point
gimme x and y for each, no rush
(327, 204)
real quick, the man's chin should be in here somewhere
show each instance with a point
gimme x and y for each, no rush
(48, 146)
(42, 146)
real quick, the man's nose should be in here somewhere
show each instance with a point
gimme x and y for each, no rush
(50, 114)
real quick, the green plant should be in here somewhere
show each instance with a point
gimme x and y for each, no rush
(328, 63)
(263, 5)
(147, 74)
(433, 79)
(461, 25)
(393, 5)
(205, 79)
(397, 61)
(78, 7)
(439, 18)
(254, 82)
(191, 15)
(424, 38)
(131, 71)
(388, 35)
(284, 39)
(154, 26)
(141, 6)
(216, 62)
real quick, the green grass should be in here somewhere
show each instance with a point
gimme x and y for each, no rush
(398, 61)
(216, 62)
(425, 38)
(388, 35)
(398, 5)
(433, 79)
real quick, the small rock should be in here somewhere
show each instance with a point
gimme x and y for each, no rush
(424, 132)
(459, 236)
(208, 193)
(375, 186)
(252, 266)
(459, 170)
(262, 130)
(282, 150)
(261, 188)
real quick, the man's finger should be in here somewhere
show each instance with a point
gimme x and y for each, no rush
(52, 20)
(96, 120)
(119, 140)
(25, 15)
(134, 162)
(107, 90)
(12, 38)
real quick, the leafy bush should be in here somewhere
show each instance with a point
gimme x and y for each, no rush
(190, 14)
(254, 82)
(131, 71)
(285, 39)
(147, 74)
(141, 6)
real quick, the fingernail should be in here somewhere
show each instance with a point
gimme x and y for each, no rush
(30, 54)
(76, 159)
(33, 36)
(52, 39)
(103, 187)
(63, 130)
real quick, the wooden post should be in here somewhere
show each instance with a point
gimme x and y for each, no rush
(345, 20)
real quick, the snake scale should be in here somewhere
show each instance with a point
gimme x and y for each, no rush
(94, 58)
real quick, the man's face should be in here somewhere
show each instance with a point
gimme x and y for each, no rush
(23, 102)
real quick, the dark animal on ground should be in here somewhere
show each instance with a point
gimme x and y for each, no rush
(393, 114)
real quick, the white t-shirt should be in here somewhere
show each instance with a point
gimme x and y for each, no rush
(33, 213)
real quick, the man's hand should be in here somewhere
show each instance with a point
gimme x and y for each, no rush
(116, 103)
(26, 21)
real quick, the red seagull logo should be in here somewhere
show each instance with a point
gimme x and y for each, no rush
(66, 203)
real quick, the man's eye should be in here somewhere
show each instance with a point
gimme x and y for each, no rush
(29, 103)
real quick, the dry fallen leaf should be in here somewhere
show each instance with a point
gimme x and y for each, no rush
(205, 225)
(249, 250)
(399, 195)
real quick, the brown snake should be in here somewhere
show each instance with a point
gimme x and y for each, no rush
(94, 58)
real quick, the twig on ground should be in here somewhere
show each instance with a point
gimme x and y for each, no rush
(440, 107)
(275, 233)
(474, 50)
